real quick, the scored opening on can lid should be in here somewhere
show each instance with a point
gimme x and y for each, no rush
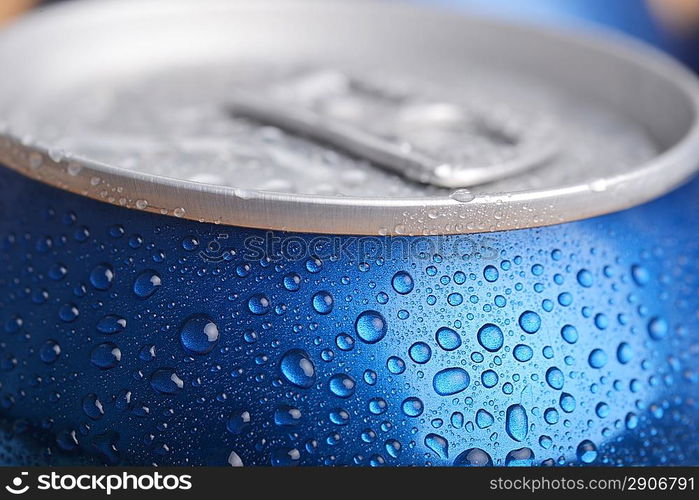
(296, 115)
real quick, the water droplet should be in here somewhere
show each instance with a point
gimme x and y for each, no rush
(584, 278)
(342, 385)
(420, 352)
(323, 302)
(640, 275)
(395, 365)
(624, 353)
(517, 422)
(597, 358)
(147, 283)
(412, 407)
(339, 416)
(602, 410)
(462, 195)
(199, 334)
(523, 457)
(102, 277)
(586, 451)
(237, 421)
(285, 457)
(438, 444)
(68, 312)
(234, 460)
(298, 369)
(292, 282)
(166, 381)
(370, 326)
(92, 406)
(490, 336)
(190, 243)
(523, 353)
(567, 402)
(490, 273)
(484, 419)
(111, 324)
(555, 378)
(344, 342)
(314, 265)
(473, 457)
(657, 328)
(287, 416)
(105, 356)
(377, 406)
(50, 351)
(448, 339)
(402, 282)
(569, 333)
(259, 304)
(450, 381)
(530, 321)
(455, 299)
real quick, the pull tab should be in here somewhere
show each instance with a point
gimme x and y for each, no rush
(427, 142)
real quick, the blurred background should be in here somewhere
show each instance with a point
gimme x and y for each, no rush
(671, 25)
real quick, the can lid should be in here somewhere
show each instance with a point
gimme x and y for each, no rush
(336, 117)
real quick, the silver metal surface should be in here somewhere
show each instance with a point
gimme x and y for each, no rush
(47, 53)
(389, 154)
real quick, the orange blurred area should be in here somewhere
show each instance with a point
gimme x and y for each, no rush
(680, 16)
(11, 8)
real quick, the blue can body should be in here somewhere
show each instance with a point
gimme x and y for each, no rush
(133, 338)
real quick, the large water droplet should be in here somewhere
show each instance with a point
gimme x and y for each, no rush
(448, 339)
(586, 452)
(517, 422)
(342, 385)
(473, 457)
(166, 381)
(111, 324)
(657, 328)
(523, 457)
(92, 406)
(402, 282)
(199, 334)
(102, 276)
(50, 351)
(322, 302)
(238, 421)
(555, 378)
(105, 356)
(298, 369)
(287, 416)
(370, 326)
(523, 353)
(259, 304)
(530, 321)
(412, 407)
(484, 419)
(597, 358)
(490, 337)
(438, 444)
(147, 283)
(450, 381)
(420, 352)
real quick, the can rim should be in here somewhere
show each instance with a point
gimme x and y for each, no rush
(486, 212)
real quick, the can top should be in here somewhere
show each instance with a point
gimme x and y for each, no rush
(337, 117)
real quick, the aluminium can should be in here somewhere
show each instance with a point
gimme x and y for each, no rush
(180, 286)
